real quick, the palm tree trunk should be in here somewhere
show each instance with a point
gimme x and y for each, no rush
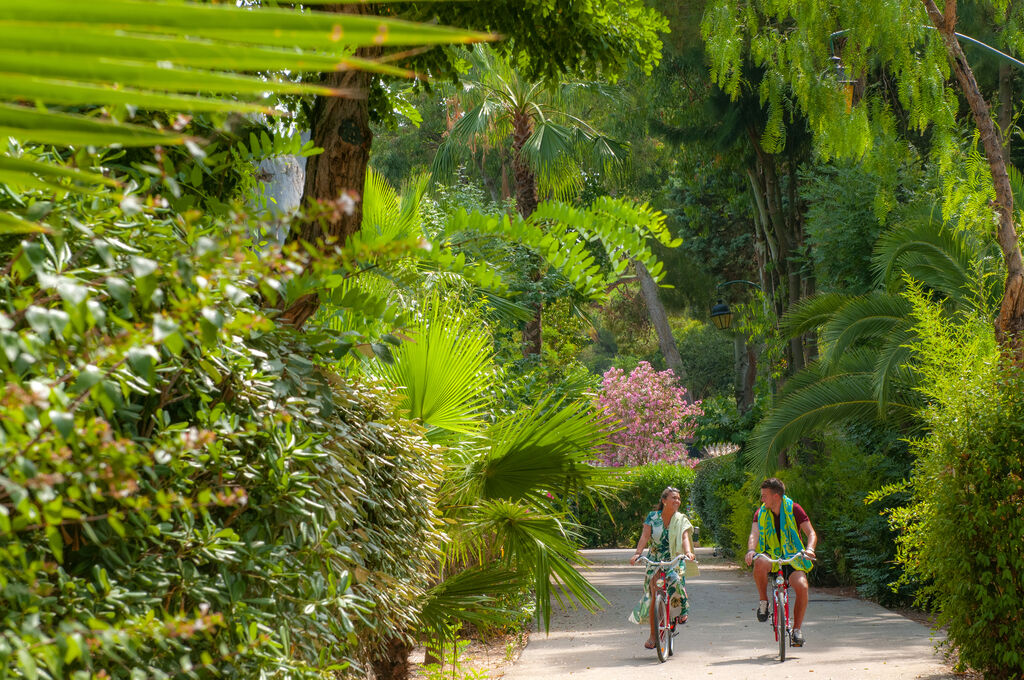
(341, 127)
(659, 320)
(526, 203)
(1010, 323)
(391, 661)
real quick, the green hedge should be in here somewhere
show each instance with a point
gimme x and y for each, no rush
(186, 488)
(963, 534)
(620, 524)
(715, 492)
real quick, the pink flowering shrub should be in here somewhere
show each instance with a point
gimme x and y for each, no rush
(654, 416)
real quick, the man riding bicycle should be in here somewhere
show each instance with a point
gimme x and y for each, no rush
(776, 531)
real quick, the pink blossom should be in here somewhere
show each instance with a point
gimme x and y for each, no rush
(653, 414)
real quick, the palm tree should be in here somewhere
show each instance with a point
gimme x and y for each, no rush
(505, 529)
(866, 371)
(548, 145)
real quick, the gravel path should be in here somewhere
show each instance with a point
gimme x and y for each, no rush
(846, 638)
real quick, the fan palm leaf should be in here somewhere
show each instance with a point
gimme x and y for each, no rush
(543, 449)
(469, 596)
(444, 372)
(539, 546)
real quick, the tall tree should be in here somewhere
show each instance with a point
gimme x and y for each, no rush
(545, 38)
(548, 144)
(914, 40)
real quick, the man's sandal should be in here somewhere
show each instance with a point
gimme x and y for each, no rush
(649, 644)
(681, 619)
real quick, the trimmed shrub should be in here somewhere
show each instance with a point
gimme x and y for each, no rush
(716, 485)
(620, 524)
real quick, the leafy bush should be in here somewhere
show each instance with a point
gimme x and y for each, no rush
(654, 416)
(187, 487)
(619, 523)
(722, 423)
(716, 485)
(707, 354)
(962, 534)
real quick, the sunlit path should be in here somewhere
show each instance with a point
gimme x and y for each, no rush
(846, 638)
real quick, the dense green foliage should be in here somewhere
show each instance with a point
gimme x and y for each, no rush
(615, 520)
(961, 534)
(715, 483)
(174, 461)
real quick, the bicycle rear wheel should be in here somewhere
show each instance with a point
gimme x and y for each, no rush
(664, 635)
(780, 624)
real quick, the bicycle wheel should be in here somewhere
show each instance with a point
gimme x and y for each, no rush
(780, 624)
(661, 626)
(670, 624)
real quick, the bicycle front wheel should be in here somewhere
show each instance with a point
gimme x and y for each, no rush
(664, 635)
(780, 624)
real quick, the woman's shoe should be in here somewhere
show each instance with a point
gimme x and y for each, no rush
(681, 619)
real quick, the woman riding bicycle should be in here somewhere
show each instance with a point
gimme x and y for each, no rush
(671, 532)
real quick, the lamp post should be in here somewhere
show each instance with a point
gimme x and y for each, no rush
(746, 358)
(721, 315)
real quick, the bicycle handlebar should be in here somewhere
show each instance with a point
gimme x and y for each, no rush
(664, 565)
(778, 561)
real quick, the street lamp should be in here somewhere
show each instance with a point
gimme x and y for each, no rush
(721, 316)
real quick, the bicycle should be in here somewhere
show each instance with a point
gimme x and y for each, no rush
(780, 599)
(664, 623)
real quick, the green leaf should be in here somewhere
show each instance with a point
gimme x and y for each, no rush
(64, 422)
(28, 664)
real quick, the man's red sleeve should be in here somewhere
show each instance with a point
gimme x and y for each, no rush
(799, 515)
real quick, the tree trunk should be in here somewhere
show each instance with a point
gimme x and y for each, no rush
(749, 377)
(659, 320)
(1010, 323)
(334, 179)
(391, 660)
(1005, 104)
(526, 203)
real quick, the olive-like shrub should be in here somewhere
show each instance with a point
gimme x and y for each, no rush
(187, 489)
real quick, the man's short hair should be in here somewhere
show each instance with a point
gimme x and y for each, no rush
(775, 484)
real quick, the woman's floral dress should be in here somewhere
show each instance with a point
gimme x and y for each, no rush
(659, 552)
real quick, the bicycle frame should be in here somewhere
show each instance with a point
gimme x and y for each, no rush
(780, 599)
(665, 625)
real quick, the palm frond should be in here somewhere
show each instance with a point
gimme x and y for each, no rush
(823, 399)
(457, 145)
(469, 596)
(892, 365)
(924, 248)
(444, 372)
(539, 545)
(812, 313)
(862, 320)
(168, 55)
(543, 449)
